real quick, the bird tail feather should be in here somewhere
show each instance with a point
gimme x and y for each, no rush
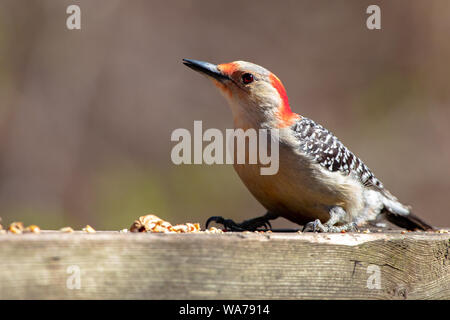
(402, 216)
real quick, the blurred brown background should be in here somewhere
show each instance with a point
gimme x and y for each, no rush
(86, 116)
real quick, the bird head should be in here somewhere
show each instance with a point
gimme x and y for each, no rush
(255, 94)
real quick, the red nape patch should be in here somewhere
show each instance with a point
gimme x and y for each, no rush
(285, 114)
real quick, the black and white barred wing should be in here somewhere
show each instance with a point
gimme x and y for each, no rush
(322, 146)
(330, 153)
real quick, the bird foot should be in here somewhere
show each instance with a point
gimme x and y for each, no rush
(337, 215)
(256, 224)
(317, 226)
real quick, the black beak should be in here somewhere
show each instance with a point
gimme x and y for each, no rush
(205, 68)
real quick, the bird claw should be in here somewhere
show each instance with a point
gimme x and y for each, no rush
(314, 226)
(317, 226)
(248, 225)
(353, 227)
(337, 216)
(228, 224)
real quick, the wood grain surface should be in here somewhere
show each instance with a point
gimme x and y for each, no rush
(113, 265)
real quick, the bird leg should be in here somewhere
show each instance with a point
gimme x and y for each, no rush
(247, 225)
(337, 215)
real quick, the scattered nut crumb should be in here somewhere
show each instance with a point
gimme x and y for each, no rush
(16, 227)
(89, 229)
(152, 223)
(343, 231)
(1, 228)
(66, 229)
(145, 223)
(366, 231)
(159, 228)
(213, 230)
(193, 227)
(442, 231)
(32, 229)
(180, 228)
(403, 232)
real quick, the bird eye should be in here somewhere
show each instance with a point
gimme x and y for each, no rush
(247, 78)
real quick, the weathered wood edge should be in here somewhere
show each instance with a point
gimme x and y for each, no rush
(116, 265)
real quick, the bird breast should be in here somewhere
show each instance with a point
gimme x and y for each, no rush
(301, 190)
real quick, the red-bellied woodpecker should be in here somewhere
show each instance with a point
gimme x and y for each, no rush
(320, 183)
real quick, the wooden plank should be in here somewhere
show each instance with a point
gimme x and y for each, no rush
(114, 265)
